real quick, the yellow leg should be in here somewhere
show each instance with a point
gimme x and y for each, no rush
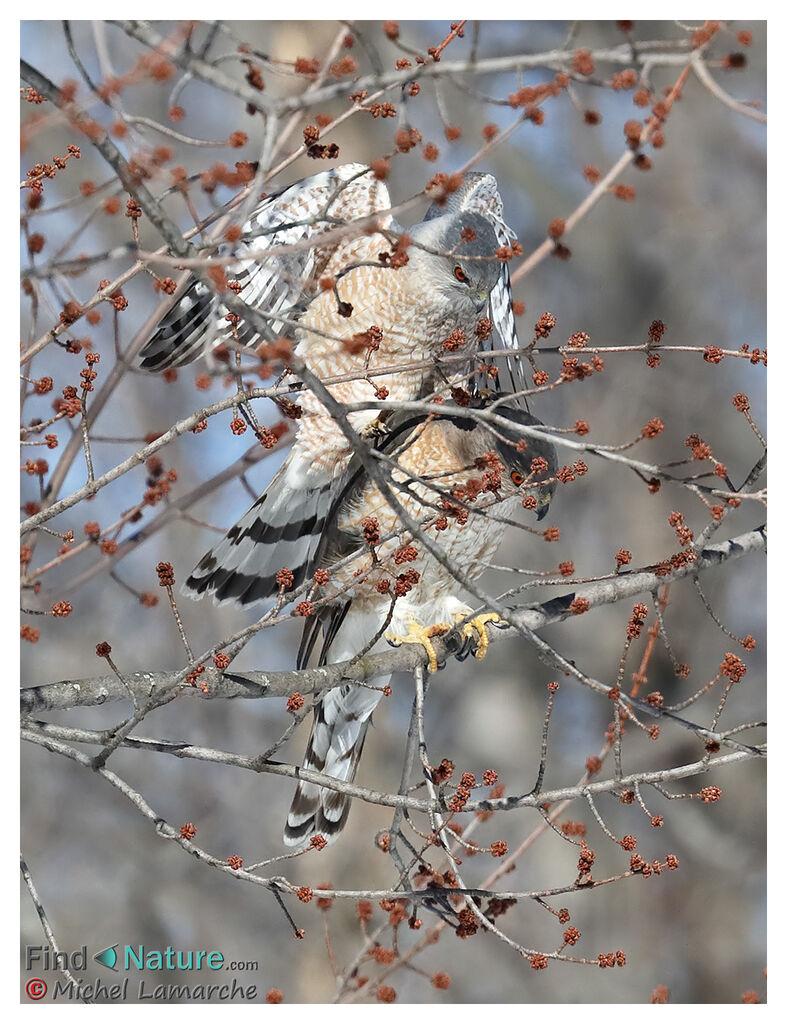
(418, 634)
(478, 625)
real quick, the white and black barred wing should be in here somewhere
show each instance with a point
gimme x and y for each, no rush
(282, 529)
(273, 282)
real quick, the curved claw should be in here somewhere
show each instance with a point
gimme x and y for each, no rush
(418, 634)
(478, 647)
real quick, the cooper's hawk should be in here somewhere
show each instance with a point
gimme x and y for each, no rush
(385, 316)
(460, 481)
(281, 259)
(360, 298)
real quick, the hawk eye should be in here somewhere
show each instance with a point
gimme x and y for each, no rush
(517, 478)
(460, 275)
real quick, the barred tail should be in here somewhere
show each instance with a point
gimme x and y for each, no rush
(335, 745)
(281, 530)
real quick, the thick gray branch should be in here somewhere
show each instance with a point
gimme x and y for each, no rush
(54, 736)
(102, 689)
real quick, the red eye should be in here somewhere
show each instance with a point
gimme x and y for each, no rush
(517, 478)
(460, 275)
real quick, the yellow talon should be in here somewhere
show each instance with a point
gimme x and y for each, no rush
(418, 634)
(478, 624)
(375, 428)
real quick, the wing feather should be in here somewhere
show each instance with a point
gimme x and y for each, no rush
(272, 282)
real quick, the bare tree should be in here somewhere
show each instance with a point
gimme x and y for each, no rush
(632, 674)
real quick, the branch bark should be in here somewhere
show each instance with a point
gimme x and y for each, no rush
(89, 692)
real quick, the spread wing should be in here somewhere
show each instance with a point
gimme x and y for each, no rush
(289, 525)
(479, 193)
(272, 281)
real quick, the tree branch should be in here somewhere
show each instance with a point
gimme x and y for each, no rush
(254, 685)
(53, 736)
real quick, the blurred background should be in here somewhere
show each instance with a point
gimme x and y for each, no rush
(690, 251)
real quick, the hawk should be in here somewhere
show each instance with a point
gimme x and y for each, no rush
(280, 259)
(383, 585)
(385, 316)
(375, 305)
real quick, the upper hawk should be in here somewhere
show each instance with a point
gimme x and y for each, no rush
(369, 314)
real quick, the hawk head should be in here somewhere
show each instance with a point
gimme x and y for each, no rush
(456, 256)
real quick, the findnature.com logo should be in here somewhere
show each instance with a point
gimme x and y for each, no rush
(133, 958)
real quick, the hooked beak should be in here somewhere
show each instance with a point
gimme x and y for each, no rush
(481, 299)
(543, 506)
